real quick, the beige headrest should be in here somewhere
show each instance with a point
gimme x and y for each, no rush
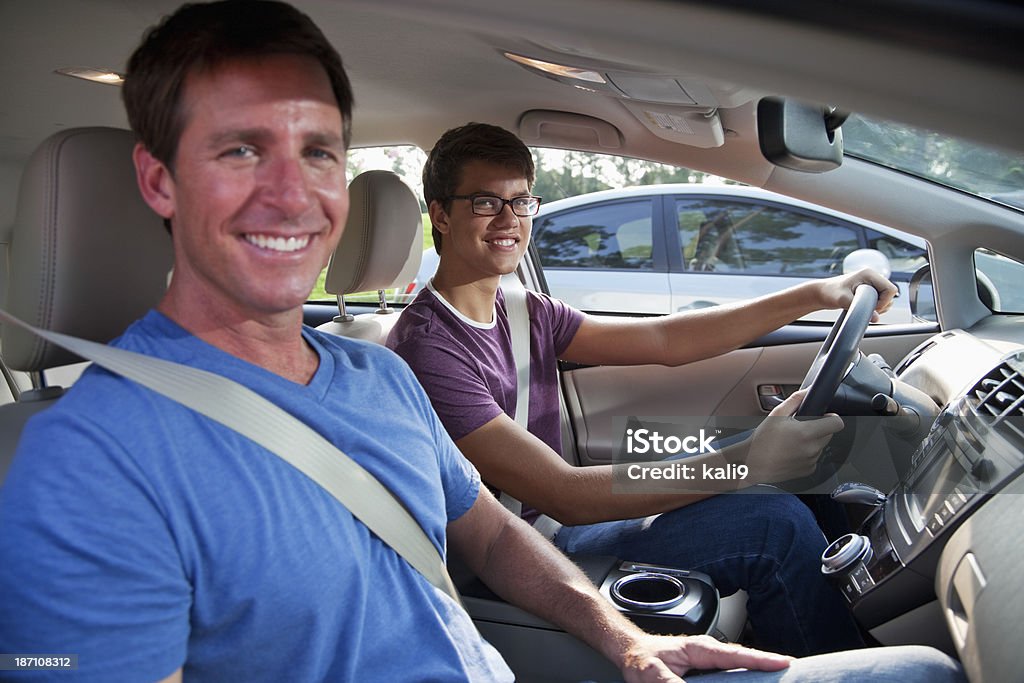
(383, 240)
(87, 256)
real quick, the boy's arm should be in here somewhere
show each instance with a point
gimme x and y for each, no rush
(690, 336)
(514, 460)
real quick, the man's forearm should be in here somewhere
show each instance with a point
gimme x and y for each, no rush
(531, 573)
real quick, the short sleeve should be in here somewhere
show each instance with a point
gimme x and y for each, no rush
(460, 480)
(454, 383)
(562, 319)
(87, 562)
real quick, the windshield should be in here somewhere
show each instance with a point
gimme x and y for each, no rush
(954, 162)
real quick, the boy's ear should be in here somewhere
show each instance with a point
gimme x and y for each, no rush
(155, 182)
(438, 217)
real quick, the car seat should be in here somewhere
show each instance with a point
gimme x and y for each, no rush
(380, 249)
(87, 257)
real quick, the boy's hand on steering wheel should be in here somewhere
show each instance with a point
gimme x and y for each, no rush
(837, 292)
(784, 448)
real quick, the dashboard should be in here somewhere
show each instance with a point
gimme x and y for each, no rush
(951, 528)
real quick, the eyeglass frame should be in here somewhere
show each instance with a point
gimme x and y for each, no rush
(473, 197)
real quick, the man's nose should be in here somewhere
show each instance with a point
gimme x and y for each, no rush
(286, 183)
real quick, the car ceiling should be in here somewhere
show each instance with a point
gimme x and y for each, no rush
(419, 68)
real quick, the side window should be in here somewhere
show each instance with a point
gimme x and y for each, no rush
(756, 239)
(606, 236)
(999, 279)
(903, 256)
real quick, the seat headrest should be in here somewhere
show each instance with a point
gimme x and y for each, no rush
(87, 255)
(383, 239)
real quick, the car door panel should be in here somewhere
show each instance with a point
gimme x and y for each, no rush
(721, 386)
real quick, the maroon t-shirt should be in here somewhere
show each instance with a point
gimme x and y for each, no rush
(467, 367)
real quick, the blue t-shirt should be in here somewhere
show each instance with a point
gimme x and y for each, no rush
(144, 537)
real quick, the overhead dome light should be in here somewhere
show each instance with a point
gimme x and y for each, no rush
(558, 69)
(94, 75)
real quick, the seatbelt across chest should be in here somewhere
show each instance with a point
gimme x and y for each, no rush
(239, 408)
(519, 328)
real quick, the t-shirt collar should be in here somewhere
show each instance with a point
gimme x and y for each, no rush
(469, 321)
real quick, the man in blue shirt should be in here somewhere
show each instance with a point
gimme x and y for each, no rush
(158, 545)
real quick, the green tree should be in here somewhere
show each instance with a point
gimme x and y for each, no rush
(578, 174)
(567, 174)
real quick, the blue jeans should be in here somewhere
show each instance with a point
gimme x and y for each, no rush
(767, 544)
(905, 664)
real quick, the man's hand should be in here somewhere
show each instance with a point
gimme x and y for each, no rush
(664, 659)
(784, 448)
(837, 292)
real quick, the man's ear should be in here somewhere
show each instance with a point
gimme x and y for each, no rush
(155, 182)
(438, 217)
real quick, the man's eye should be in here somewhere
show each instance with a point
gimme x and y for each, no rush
(324, 154)
(240, 152)
(486, 202)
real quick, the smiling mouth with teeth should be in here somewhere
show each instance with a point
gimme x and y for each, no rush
(508, 242)
(282, 244)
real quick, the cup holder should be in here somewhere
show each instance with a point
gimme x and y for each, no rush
(648, 591)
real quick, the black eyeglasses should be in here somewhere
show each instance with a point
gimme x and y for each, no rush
(490, 205)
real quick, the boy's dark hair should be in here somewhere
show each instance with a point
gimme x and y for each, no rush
(460, 146)
(200, 37)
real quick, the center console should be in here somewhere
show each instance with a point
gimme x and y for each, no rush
(974, 447)
(659, 599)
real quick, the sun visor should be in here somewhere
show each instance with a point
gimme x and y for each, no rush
(695, 127)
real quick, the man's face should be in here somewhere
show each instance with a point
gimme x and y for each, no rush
(474, 246)
(258, 197)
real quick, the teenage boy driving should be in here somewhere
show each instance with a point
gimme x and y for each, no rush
(455, 336)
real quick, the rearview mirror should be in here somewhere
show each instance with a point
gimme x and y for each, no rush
(800, 136)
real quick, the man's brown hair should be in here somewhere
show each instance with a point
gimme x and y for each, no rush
(200, 37)
(459, 146)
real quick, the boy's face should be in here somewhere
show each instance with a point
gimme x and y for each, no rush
(476, 247)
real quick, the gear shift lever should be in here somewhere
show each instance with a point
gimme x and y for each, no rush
(855, 492)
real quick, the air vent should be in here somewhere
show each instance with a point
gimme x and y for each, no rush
(1000, 395)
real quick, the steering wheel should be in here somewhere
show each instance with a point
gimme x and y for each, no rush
(837, 353)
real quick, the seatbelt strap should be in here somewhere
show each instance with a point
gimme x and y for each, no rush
(243, 410)
(519, 328)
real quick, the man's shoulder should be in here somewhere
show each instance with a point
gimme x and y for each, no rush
(348, 346)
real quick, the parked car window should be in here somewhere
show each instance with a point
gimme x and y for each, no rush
(614, 235)
(757, 239)
(903, 256)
